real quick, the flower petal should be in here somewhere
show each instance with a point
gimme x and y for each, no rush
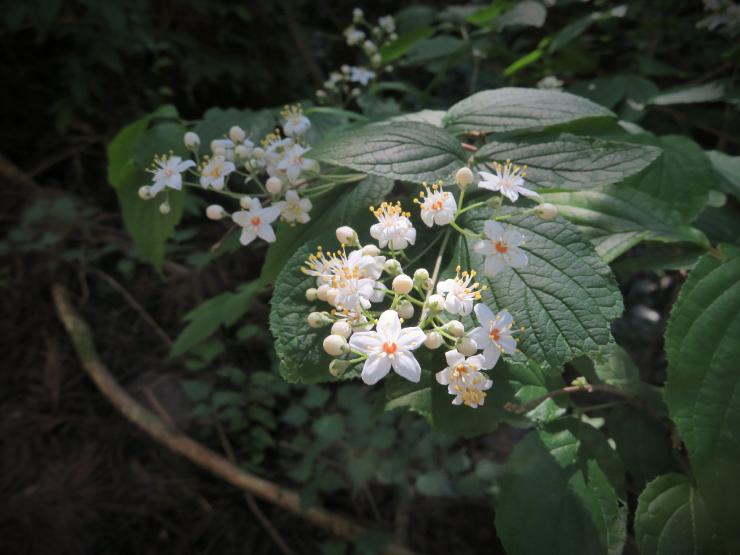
(485, 316)
(270, 214)
(517, 258)
(411, 338)
(442, 377)
(493, 230)
(504, 319)
(454, 357)
(366, 342)
(248, 235)
(477, 361)
(480, 336)
(491, 355)
(406, 366)
(266, 233)
(493, 266)
(508, 344)
(375, 369)
(389, 326)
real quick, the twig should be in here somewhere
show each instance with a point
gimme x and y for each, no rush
(82, 340)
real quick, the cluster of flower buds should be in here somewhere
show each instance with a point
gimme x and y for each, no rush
(278, 169)
(349, 81)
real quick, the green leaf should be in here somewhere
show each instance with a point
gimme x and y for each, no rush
(222, 310)
(525, 13)
(703, 383)
(617, 217)
(513, 109)
(410, 151)
(728, 167)
(433, 49)
(565, 298)
(391, 52)
(562, 482)
(671, 519)
(571, 162)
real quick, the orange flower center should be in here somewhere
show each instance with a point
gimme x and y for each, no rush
(389, 348)
(501, 247)
(256, 221)
(462, 369)
(495, 334)
(437, 205)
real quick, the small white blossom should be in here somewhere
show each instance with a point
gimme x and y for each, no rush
(353, 36)
(493, 336)
(361, 75)
(389, 346)
(460, 294)
(223, 147)
(256, 221)
(215, 171)
(294, 163)
(167, 172)
(393, 228)
(295, 123)
(437, 206)
(295, 208)
(501, 248)
(387, 23)
(509, 180)
(464, 379)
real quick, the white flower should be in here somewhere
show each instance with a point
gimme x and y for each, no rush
(459, 293)
(464, 380)
(550, 83)
(295, 208)
(214, 173)
(223, 147)
(353, 36)
(361, 75)
(295, 122)
(501, 248)
(387, 23)
(493, 336)
(389, 346)
(509, 179)
(393, 228)
(167, 170)
(437, 206)
(293, 162)
(256, 221)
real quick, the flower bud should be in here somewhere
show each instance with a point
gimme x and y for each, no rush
(342, 328)
(428, 284)
(405, 310)
(317, 319)
(357, 15)
(331, 295)
(243, 152)
(463, 178)
(392, 267)
(547, 211)
(345, 69)
(311, 294)
(421, 276)
(245, 202)
(192, 141)
(376, 59)
(436, 303)
(455, 327)
(370, 250)
(258, 153)
(347, 236)
(433, 340)
(321, 292)
(274, 185)
(467, 346)
(494, 202)
(335, 345)
(164, 208)
(355, 92)
(215, 212)
(237, 134)
(338, 367)
(402, 284)
(145, 192)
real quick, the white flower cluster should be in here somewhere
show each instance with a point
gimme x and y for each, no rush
(278, 167)
(349, 80)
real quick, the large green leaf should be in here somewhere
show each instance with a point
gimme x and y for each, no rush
(560, 494)
(410, 151)
(571, 162)
(616, 217)
(512, 109)
(728, 168)
(703, 387)
(565, 298)
(671, 519)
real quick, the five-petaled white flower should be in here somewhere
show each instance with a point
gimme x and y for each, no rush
(389, 346)
(295, 208)
(354, 276)
(501, 248)
(464, 379)
(459, 293)
(215, 172)
(295, 122)
(393, 228)
(256, 221)
(509, 180)
(167, 170)
(493, 335)
(437, 206)
(361, 75)
(293, 162)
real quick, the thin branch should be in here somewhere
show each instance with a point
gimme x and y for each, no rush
(82, 341)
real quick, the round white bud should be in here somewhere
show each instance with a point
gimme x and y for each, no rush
(218, 186)
(433, 340)
(357, 15)
(393, 36)
(331, 295)
(436, 303)
(164, 208)
(191, 140)
(237, 134)
(215, 212)
(421, 275)
(376, 59)
(547, 211)
(467, 346)
(402, 284)
(243, 152)
(355, 92)
(370, 250)
(405, 310)
(316, 320)
(335, 345)
(392, 267)
(345, 69)
(274, 185)
(464, 177)
(258, 153)
(311, 294)
(347, 236)
(342, 328)
(321, 292)
(245, 202)
(455, 327)
(337, 367)
(145, 192)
